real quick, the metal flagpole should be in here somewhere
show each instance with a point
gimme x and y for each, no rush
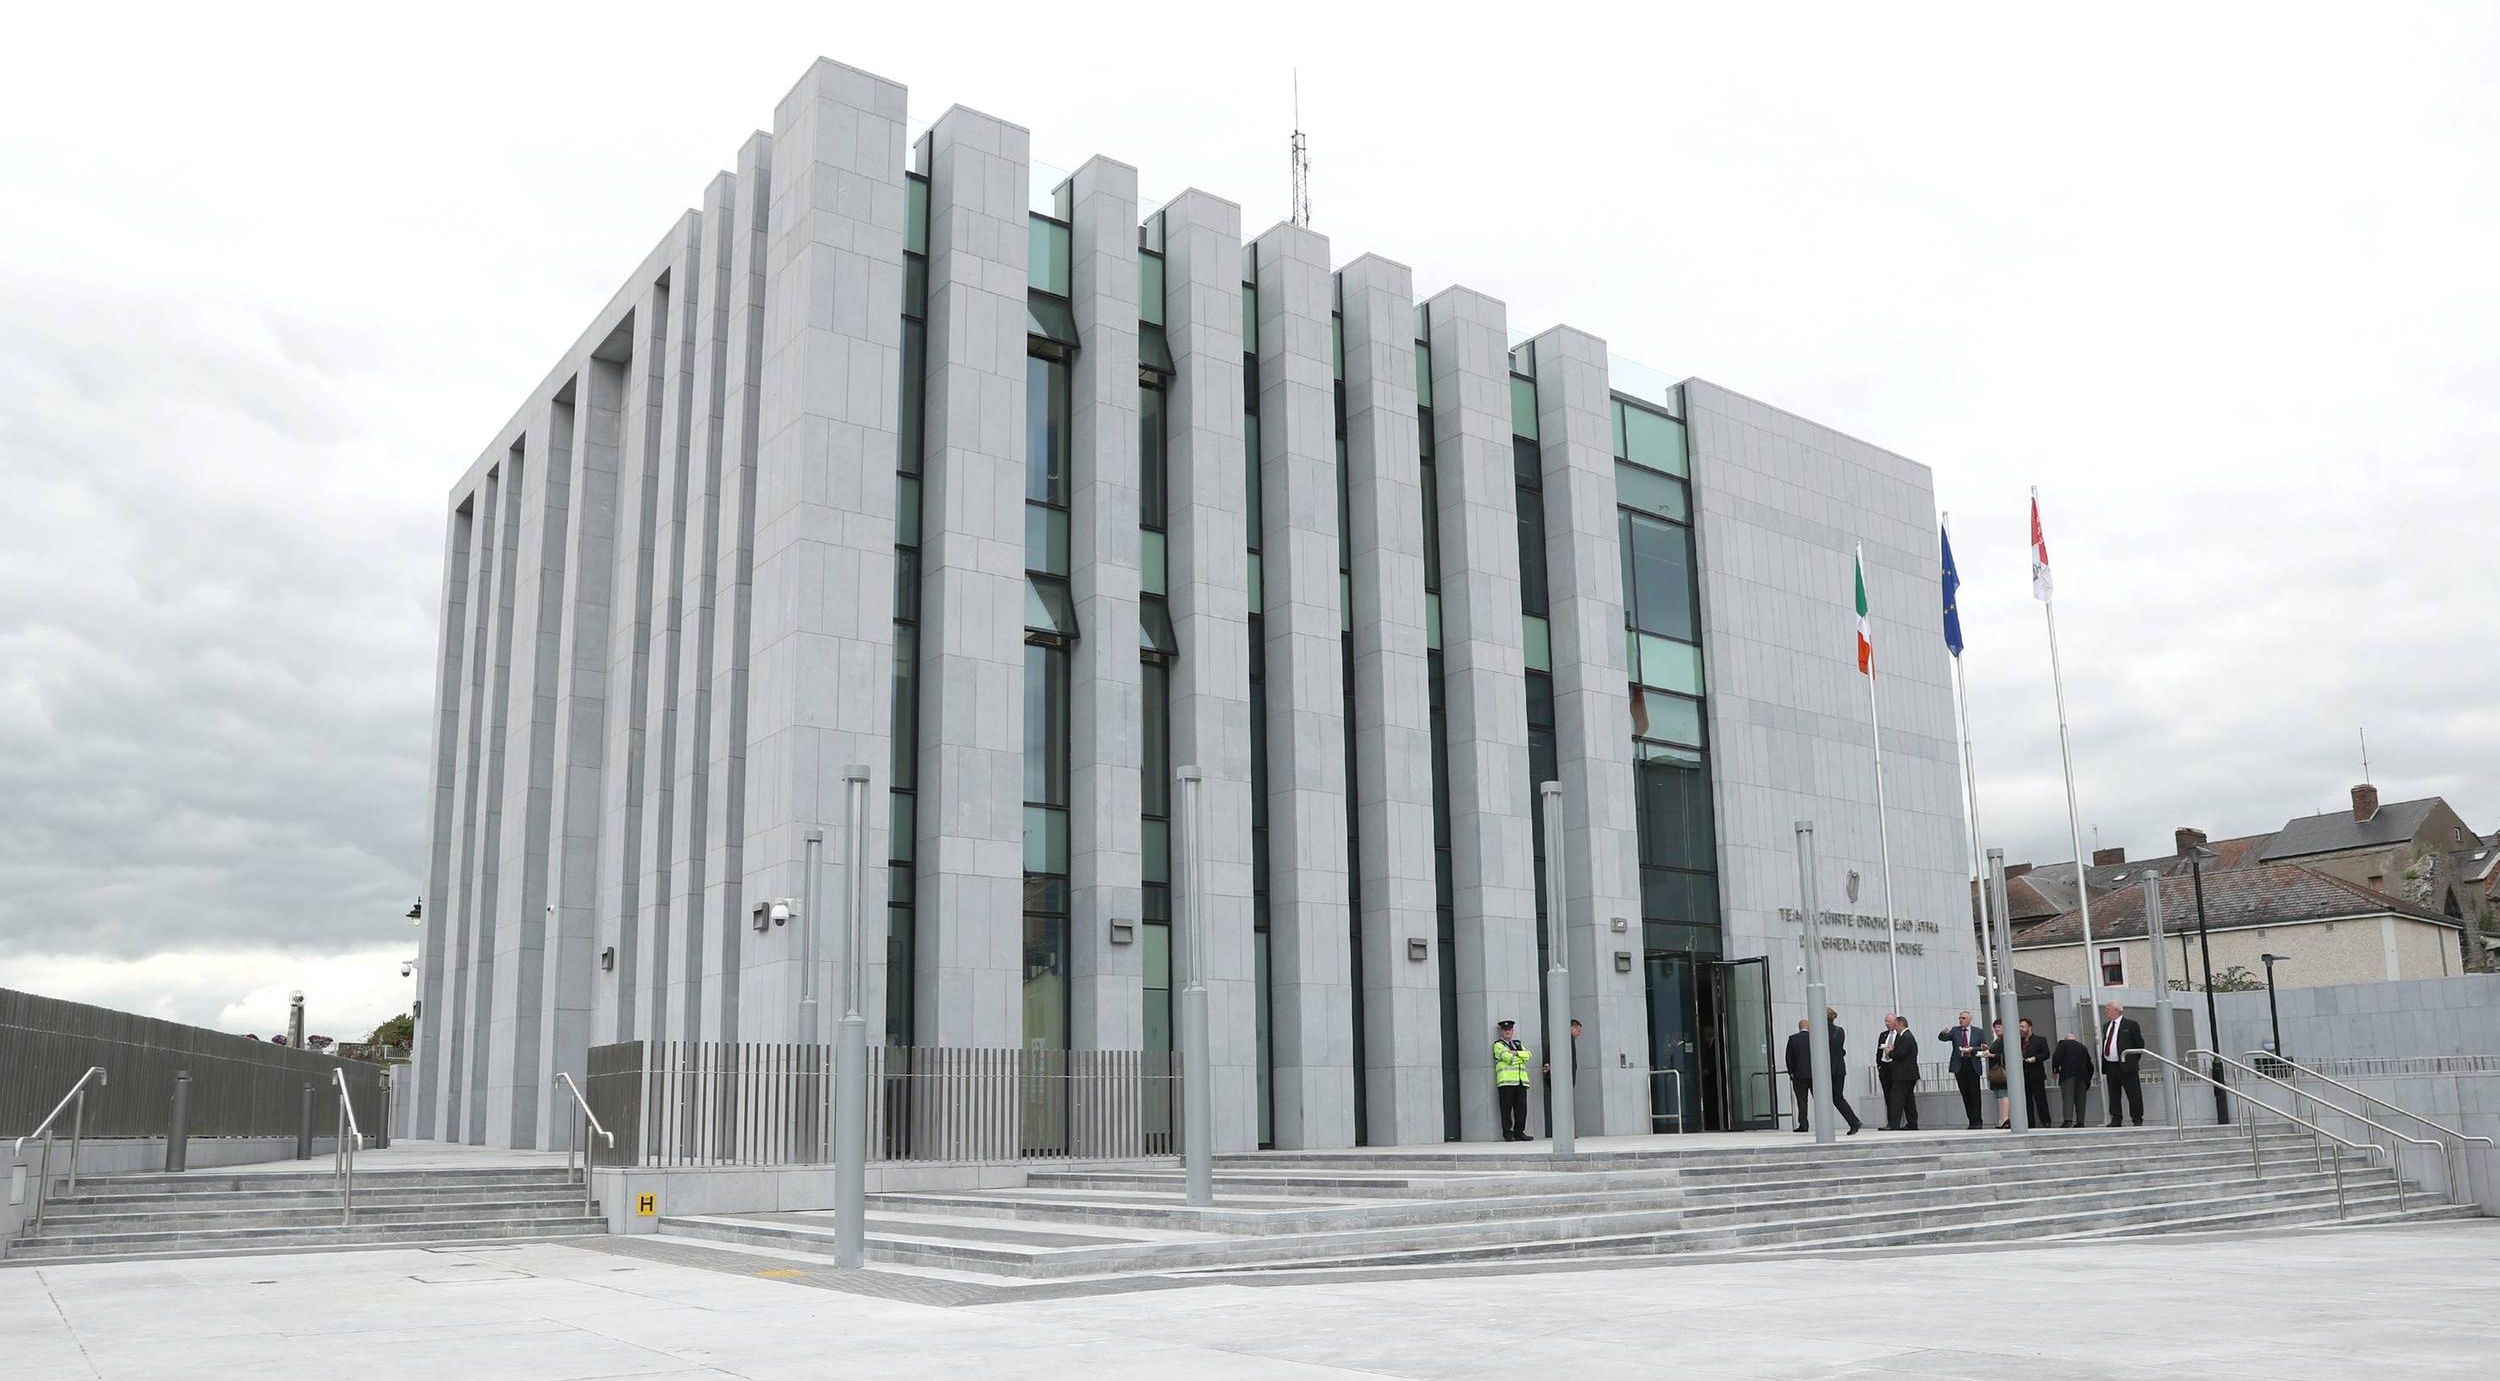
(1970, 811)
(1883, 828)
(2017, 1097)
(2074, 815)
(1988, 922)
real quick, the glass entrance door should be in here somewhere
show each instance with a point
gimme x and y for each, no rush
(1674, 1046)
(1747, 1072)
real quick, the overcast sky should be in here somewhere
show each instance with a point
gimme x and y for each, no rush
(2220, 281)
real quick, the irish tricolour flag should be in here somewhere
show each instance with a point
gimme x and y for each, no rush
(1866, 637)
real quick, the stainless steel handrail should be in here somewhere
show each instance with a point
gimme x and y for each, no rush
(350, 1140)
(2319, 1136)
(2455, 1162)
(77, 1096)
(576, 1143)
(1678, 1076)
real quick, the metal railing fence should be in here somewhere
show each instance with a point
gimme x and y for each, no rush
(239, 1087)
(2394, 1067)
(699, 1103)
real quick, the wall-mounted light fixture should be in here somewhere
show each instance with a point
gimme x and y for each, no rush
(1619, 925)
(778, 911)
(1419, 950)
(607, 960)
(1623, 961)
(1123, 932)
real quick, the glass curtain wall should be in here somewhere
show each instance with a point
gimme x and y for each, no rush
(1254, 514)
(1156, 644)
(903, 768)
(1050, 631)
(1662, 646)
(1353, 817)
(1444, 889)
(1528, 493)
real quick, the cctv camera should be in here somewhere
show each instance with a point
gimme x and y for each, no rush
(781, 913)
(407, 967)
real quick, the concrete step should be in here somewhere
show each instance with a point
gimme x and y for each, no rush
(210, 1200)
(232, 1182)
(242, 1241)
(963, 1245)
(1550, 1196)
(188, 1217)
(1699, 1153)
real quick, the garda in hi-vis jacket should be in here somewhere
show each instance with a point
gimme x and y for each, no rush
(1510, 1063)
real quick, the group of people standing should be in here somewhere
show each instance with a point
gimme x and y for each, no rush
(1977, 1058)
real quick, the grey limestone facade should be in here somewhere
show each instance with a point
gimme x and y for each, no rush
(906, 454)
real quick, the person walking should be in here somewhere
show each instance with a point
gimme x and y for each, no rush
(2071, 1062)
(1896, 1069)
(1800, 1061)
(2118, 1072)
(2035, 1073)
(1510, 1080)
(1969, 1053)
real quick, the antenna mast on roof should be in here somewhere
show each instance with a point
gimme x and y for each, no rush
(2365, 757)
(1301, 159)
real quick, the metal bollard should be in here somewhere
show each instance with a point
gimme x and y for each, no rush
(304, 1132)
(382, 1134)
(178, 1132)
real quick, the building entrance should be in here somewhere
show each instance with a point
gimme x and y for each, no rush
(1710, 1061)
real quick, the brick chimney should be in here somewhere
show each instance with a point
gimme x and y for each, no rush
(2185, 838)
(2105, 858)
(2364, 802)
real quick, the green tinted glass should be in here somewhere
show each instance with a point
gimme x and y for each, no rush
(916, 215)
(1670, 665)
(1258, 585)
(1651, 492)
(1536, 638)
(1653, 440)
(1150, 288)
(1669, 717)
(1046, 266)
(1432, 620)
(1423, 373)
(1150, 574)
(1523, 407)
(1249, 318)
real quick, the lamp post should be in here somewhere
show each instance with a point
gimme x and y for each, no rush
(1197, 1082)
(1818, 1017)
(2213, 1022)
(850, 1056)
(2274, 1014)
(1559, 1113)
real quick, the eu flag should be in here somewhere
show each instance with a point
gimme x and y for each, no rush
(1952, 597)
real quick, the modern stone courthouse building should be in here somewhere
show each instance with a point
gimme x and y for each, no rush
(1024, 494)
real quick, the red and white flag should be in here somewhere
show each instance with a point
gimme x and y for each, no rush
(2040, 585)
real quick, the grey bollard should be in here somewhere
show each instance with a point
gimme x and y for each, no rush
(303, 1134)
(381, 1138)
(178, 1135)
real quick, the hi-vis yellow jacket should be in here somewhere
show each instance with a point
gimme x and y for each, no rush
(1510, 1063)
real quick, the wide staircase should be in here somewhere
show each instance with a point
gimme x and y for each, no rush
(224, 1213)
(1278, 1211)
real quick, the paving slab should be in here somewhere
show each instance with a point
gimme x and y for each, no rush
(2302, 1306)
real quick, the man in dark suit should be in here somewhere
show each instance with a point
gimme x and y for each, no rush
(2035, 1074)
(1968, 1044)
(2072, 1063)
(2118, 1071)
(1799, 1059)
(1896, 1069)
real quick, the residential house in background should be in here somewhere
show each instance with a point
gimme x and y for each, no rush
(2377, 893)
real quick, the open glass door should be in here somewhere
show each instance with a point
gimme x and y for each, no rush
(1748, 1073)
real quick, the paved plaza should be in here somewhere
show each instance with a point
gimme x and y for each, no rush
(2410, 1302)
